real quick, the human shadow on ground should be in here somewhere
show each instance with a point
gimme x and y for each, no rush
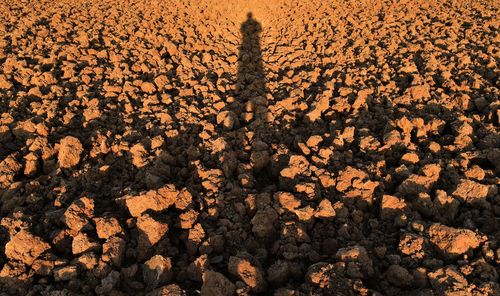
(251, 84)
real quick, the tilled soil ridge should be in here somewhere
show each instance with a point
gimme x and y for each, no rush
(249, 147)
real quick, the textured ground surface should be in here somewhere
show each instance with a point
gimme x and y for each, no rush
(310, 148)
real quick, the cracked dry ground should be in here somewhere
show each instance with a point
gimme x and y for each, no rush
(305, 148)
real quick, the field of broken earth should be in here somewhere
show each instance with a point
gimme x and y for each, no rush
(287, 148)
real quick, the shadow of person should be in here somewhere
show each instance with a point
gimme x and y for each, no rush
(251, 85)
(251, 106)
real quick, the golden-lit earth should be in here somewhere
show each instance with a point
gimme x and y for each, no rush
(249, 147)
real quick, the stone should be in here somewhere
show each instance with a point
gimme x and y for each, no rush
(448, 281)
(474, 193)
(416, 184)
(227, 119)
(151, 231)
(418, 92)
(168, 290)
(107, 227)
(215, 283)
(82, 243)
(70, 150)
(156, 200)
(108, 283)
(362, 264)
(446, 206)
(25, 247)
(139, 155)
(259, 159)
(392, 206)
(263, 223)
(325, 210)
(113, 250)
(157, 271)
(319, 273)
(65, 273)
(320, 106)
(453, 242)
(79, 213)
(148, 87)
(287, 200)
(278, 273)
(297, 165)
(398, 276)
(249, 272)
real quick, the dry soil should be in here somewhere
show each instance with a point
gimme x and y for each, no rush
(249, 147)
